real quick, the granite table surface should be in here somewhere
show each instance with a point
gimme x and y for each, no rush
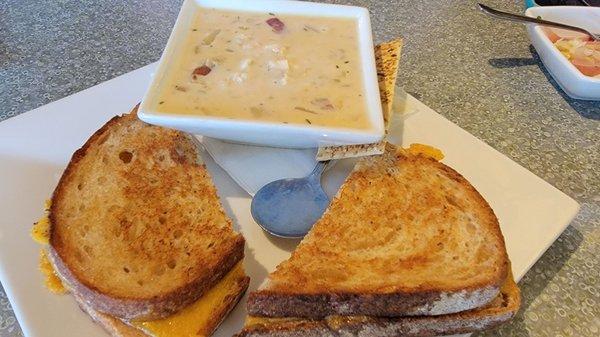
(481, 74)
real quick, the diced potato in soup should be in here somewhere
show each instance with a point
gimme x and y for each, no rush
(264, 66)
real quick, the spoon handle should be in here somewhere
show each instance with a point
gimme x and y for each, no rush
(521, 18)
(319, 168)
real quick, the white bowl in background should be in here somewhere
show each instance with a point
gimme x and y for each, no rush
(265, 132)
(570, 79)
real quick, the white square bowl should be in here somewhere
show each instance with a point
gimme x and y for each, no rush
(265, 132)
(570, 79)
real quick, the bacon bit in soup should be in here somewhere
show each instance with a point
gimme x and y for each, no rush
(202, 71)
(276, 24)
(323, 103)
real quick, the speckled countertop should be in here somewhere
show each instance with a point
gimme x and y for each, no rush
(479, 73)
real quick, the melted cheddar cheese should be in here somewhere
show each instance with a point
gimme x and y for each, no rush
(425, 150)
(195, 319)
(258, 320)
(52, 282)
(40, 232)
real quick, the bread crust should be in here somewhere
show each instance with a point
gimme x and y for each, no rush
(131, 307)
(114, 326)
(146, 309)
(283, 297)
(276, 304)
(502, 309)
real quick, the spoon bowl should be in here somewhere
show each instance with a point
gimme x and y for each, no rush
(288, 208)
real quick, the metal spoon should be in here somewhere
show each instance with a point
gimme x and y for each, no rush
(288, 208)
(521, 18)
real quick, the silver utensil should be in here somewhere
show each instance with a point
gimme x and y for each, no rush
(521, 18)
(288, 208)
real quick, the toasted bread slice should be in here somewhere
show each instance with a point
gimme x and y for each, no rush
(137, 230)
(500, 310)
(405, 235)
(387, 56)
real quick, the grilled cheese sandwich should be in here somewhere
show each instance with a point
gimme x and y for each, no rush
(406, 248)
(199, 242)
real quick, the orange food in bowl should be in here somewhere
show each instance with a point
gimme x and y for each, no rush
(578, 48)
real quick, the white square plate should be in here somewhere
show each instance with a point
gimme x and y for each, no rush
(266, 132)
(36, 146)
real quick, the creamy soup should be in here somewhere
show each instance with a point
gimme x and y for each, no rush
(268, 67)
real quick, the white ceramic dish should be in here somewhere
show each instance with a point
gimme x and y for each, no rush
(269, 133)
(571, 80)
(36, 146)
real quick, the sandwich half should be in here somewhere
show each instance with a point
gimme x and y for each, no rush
(405, 236)
(137, 234)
